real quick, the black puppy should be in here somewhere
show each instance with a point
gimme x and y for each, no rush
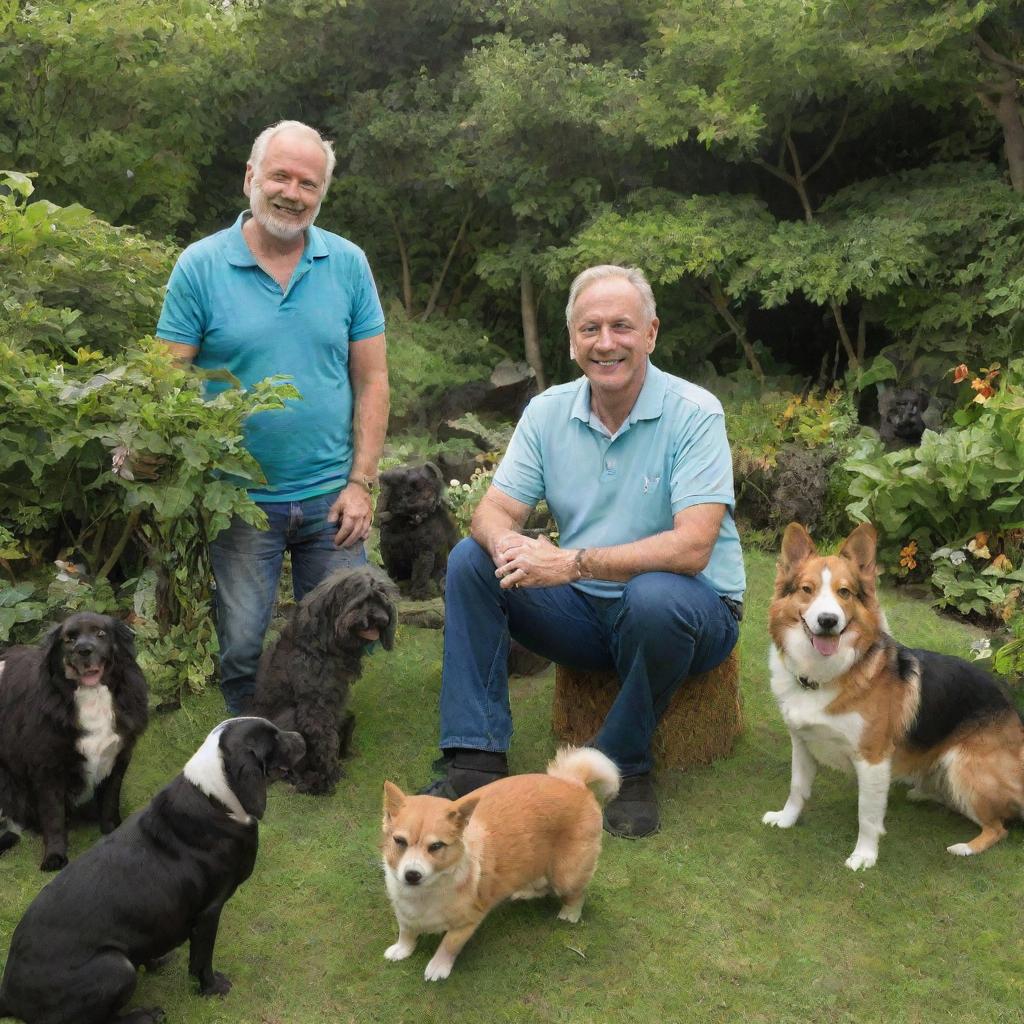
(161, 878)
(303, 679)
(71, 710)
(416, 529)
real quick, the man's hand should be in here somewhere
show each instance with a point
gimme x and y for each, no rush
(353, 512)
(527, 562)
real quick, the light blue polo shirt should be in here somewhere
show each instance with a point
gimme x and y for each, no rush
(220, 301)
(604, 490)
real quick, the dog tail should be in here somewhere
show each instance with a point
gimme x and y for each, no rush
(585, 766)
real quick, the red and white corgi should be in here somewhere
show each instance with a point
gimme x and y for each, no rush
(448, 863)
(855, 699)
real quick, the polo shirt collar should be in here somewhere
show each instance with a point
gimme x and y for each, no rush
(238, 253)
(648, 405)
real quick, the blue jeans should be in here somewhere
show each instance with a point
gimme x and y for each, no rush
(247, 568)
(663, 628)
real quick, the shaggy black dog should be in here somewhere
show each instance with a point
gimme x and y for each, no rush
(162, 878)
(303, 679)
(71, 710)
(416, 529)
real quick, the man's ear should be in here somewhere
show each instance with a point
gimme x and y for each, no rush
(247, 180)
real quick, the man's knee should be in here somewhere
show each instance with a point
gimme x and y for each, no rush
(467, 558)
(657, 601)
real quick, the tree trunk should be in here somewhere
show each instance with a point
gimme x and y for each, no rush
(721, 307)
(403, 255)
(432, 301)
(531, 336)
(1006, 109)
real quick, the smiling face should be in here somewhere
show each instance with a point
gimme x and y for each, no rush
(610, 337)
(286, 189)
(86, 645)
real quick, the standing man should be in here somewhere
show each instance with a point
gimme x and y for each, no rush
(270, 295)
(648, 580)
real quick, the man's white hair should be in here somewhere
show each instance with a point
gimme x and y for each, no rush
(259, 147)
(631, 274)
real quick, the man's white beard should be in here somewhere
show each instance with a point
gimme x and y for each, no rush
(267, 217)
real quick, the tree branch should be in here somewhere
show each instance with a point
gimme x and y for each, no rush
(832, 145)
(989, 52)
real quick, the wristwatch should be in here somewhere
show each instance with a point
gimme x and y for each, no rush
(368, 483)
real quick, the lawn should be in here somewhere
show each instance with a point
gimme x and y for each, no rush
(718, 918)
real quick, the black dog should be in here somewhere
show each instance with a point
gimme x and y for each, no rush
(71, 710)
(302, 680)
(161, 878)
(416, 529)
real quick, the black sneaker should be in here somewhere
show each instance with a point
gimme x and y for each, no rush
(633, 814)
(467, 770)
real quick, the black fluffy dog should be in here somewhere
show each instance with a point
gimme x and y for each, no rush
(302, 680)
(71, 710)
(161, 878)
(416, 529)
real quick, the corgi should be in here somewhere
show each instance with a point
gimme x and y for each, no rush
(855, 699)
(448, 863)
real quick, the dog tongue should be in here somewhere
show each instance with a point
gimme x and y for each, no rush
(370, 634)
(90, 677)
(825, 645)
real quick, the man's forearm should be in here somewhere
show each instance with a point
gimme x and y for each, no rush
(370, 426)
(664, 552)
(490, 523)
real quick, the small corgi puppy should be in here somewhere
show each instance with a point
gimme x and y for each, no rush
(855, 699)
(448, 863)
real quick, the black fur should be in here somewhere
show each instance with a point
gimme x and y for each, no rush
(955, 695)
(416, 529)
(161, 878)
(303, 679)
(41, 769)
(900, 410)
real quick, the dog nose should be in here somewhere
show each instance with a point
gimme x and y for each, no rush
(827, 621)
(414, 877)
(84, 647)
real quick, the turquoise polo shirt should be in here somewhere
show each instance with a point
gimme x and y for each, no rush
(603, 489)
(222, 303)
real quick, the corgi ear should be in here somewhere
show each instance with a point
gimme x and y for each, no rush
(797, 547)
(394, 798)
(462, 810)
(859, 548)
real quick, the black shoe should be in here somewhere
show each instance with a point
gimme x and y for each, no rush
(633, 814)
(440, 764)
(468, 770)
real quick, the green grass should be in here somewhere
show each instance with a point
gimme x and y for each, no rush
(718, 918)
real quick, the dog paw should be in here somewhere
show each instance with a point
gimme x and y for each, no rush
(861, 859)
(961, 849)
(439, 968)
(8, 840)
(780, 819)
(54, 862)
(218, 985)
(570, 914)
(399, 951)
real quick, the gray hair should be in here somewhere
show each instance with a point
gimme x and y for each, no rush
(259, 147)
(633, 275)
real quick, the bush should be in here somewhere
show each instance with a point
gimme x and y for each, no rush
(955, 504)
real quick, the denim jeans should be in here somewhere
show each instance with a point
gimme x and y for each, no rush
(663, 628)
(247, 568)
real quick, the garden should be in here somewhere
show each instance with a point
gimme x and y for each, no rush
(827, 199)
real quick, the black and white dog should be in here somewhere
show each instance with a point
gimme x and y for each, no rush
(71, 710)
(161, 878)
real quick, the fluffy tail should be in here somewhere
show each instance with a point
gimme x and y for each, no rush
(586, 766)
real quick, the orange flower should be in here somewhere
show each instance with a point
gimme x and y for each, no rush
(907, 559)
(1002, 563)
(960, 373)
(984, 389)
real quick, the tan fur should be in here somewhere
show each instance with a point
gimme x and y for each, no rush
(978, 770)
(524, 836)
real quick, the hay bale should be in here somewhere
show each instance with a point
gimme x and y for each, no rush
(701, 724)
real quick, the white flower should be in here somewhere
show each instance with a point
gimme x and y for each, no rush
(981, 649)
(958, 557)
(453, 483)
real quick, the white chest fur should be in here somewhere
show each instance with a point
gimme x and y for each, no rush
(99, 743)
(832, 739)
